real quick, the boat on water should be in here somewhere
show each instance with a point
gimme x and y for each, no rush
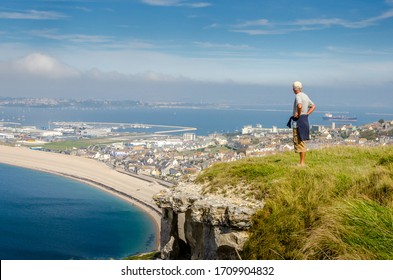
(339, 118)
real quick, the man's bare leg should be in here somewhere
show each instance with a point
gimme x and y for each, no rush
(302, 158)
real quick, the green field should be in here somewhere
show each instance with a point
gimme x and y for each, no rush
(77, 144)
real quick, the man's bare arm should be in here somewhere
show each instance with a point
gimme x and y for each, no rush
(311, 109)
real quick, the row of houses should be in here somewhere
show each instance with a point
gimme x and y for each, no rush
(176, 157)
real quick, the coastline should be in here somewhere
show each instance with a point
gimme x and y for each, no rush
(89, 171)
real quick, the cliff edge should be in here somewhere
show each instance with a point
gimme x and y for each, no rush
(203, 226)
(340, 206)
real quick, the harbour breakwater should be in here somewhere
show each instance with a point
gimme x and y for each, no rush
(202, 227)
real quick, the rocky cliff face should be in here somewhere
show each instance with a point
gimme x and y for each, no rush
(196, 226)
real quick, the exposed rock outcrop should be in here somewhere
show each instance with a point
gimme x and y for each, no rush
(196, 226)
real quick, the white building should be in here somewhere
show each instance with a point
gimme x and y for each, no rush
(7, 136)
(51, 133)
(189, 136)
(247, 129)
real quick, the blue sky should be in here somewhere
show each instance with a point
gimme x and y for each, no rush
(206, 51)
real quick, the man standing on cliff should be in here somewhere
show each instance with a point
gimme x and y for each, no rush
(302, 108)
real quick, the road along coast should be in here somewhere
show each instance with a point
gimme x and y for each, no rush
(136, 191)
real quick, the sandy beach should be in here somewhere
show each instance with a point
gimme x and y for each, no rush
(90, 171)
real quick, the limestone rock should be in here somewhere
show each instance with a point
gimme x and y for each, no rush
(212, 227)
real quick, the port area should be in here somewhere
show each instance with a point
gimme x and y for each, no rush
(73, 135)
(88, 128)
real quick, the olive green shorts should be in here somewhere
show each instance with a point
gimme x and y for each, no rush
(300, 146)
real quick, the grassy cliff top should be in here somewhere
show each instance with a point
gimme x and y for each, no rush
(340, 206)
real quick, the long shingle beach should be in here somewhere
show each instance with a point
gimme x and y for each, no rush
(136, 191)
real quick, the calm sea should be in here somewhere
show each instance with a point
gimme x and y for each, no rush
(43, 216)
(48, 217)
(205, 120)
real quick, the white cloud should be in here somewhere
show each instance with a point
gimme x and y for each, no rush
(161, 2)
(154, 76)
(198, 5)
(33, 15)
(383, 16)
(45, 66)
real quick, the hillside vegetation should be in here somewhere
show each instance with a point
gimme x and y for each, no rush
(340, 206)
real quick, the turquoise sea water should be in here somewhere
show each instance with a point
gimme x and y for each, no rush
(43, 216)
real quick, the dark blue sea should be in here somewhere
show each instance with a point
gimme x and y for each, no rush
(43, 216)
(47, 217)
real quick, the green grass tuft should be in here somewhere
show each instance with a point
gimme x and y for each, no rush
(352, 229)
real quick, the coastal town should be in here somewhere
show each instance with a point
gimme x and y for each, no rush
(167, 155)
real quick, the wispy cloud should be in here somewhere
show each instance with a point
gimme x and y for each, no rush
(83, 9)
(74, 38)
(225, 50)
(345, 23)
(33, 15)
(99, 41)
(161, 2)
(176, 3)
(358, 51)
(258, 22)
(267, 27)
(262, 31)
(209, 45)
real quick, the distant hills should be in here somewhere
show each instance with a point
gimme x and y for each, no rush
(54, 102)
(95, 103)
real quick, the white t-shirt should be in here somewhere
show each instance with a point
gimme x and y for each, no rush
(306, 102)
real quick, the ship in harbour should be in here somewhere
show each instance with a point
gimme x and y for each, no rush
(339, 118)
